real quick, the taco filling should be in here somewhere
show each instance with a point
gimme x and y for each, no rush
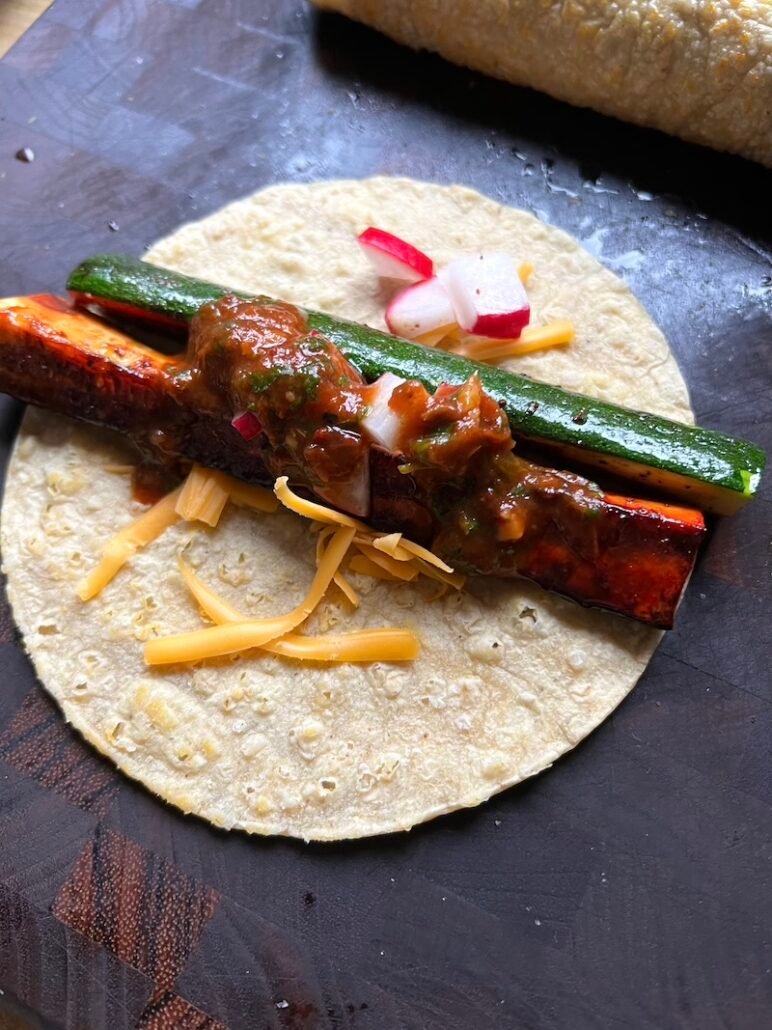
(399, 650)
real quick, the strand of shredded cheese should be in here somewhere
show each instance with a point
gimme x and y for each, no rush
(507, 349)
(396, 547)
(324, 534)
(416, 551)
(370, 645)
(385, 551)
(249, 496)
(435, 336)
(553, 334)
(390, 544)
(364, 645)
(390, 552)
(349, 592)
(397, 569)
(231, 638)
(216, 607)
(451, 579)
(312, 510)
(203, 496)
(533, 338)
(362, 565)
(339, 579)
(128, 541)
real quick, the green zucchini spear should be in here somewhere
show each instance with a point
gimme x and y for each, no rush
(702, 467)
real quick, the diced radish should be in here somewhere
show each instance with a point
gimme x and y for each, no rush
(393, 258)
(420, 309)
(380, 423)
(246, 425)
(488, 296)
(352, 494)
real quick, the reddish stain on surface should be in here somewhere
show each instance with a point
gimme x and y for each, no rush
(40, 744)
(138, 905)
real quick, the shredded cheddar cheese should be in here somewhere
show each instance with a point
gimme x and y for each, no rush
(397, 569)
(431, 339)
(554, 334)
(203, 497)
(362, 565)
(451, 579)
(310, 509)
(415, 550)
(533, 338)
(338, 579)
(230, 638)
(390, 553)
(371, 645)
(214, 606)
(395, 546)
(392, 545)
(348, 591)
(248, 496)
(128, 541)
(364, 645)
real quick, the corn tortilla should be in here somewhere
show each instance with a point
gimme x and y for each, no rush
(510, 676)
(702, 71)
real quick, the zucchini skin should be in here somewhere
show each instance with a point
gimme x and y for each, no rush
(702, 467)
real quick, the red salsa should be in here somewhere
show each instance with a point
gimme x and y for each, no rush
(455, 444)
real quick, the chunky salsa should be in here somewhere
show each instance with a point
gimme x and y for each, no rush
(452, 476)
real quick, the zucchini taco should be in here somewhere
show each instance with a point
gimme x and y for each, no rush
(302, 576)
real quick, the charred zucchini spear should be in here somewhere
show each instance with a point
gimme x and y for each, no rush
(641, 552)
(700, 467)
